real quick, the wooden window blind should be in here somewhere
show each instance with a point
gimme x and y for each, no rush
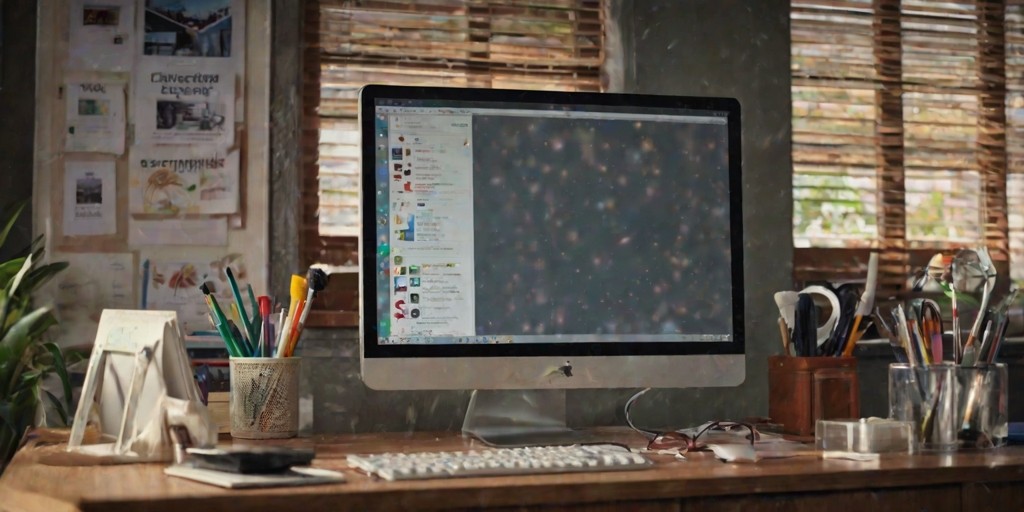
(1014, 31)
(905, 134)
(518, 44)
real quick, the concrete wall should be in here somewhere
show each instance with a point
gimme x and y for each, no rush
(697, 47)
(17, 103)
(737, 49)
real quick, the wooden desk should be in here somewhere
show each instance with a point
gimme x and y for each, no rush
(963, 481)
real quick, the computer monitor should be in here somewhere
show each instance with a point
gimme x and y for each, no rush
(540, 240)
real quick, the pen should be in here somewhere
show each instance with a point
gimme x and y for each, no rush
(145, 283)
(784, 332)
(237, 336)
(256, 320)
(957, 347)
(296, 291)
(242, 337)
(293, 336)
(867, 303)
(250, 332)
(220, 321)
(222, 330)
(904, 334)
(266, 333)
(316, 281)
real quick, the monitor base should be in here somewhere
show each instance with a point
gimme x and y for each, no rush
(511, 418)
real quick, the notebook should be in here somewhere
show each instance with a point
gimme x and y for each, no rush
(295, 476)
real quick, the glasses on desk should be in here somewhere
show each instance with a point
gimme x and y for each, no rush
(687, 440)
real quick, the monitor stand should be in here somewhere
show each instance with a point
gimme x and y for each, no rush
(510, 418)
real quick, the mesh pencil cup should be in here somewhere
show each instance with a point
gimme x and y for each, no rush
(264, 397)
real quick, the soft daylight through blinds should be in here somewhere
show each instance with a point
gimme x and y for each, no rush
(901, 115)
(518, 44)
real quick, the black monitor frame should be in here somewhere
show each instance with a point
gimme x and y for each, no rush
(369, 97)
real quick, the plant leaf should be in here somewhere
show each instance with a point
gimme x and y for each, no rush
(10, 222)
(58, 406)
(30, 376)
(12, 287)
(7, 415)
(17, 339)
(62, 371)
(44, 323)
(19, 333)
(38, 277)
(8, 269)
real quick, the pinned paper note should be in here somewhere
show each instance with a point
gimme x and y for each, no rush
(95, 115)
(90, 198)
(176, 181)
(174, 285)
(101, 35)
(92, 282)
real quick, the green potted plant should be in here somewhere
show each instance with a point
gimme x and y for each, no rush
(26, 358)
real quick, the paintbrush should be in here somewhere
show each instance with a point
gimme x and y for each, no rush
(220, 322)
(297, 290)
(867, 303)
(316, 281)
(250, 331)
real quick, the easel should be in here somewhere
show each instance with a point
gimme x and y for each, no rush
(131, 343)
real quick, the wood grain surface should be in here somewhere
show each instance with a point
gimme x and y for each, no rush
(44, 478)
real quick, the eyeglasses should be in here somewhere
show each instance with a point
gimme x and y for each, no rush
(686, 442)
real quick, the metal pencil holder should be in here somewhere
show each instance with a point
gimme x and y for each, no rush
(264, 397)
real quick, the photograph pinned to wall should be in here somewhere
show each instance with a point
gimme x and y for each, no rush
(184, 104)
(174, 181)
(95, 117)
(101, 35)
(174, 285)
(90, 198)
(92, 282)
(190, 28)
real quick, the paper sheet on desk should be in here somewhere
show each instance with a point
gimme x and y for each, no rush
(748, 453)
(292, 477)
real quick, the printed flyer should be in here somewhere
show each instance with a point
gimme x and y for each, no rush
(174, 181)
(95, 118)
(174, 285)
(90, 198)
(185, 104)
(101, 35)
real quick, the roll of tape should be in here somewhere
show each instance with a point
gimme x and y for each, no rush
(825, 330)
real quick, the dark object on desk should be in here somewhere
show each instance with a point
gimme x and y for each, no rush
(803, 390)
(264, 459)
(1016, 433)
(805, 332)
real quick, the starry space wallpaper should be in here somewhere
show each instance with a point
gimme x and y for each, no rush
(596, 226)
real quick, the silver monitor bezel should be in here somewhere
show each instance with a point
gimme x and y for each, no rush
(540, 366)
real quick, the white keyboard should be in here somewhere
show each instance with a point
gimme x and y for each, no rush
(499, 461)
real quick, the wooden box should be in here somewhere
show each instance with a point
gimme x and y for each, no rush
(802, 390)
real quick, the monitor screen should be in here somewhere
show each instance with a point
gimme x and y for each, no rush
(514, 224)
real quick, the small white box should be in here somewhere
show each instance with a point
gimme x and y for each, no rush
(866, 435)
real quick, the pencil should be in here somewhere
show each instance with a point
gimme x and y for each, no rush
(785, 337)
